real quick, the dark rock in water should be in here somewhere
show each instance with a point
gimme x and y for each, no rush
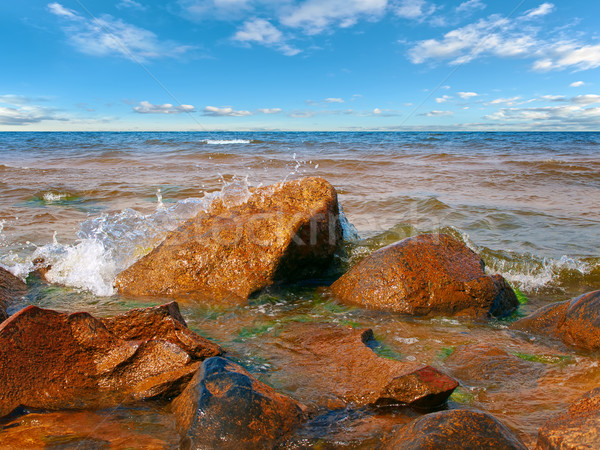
(282, 232)
(11, 288)
(489, 366)
(425, 275)
(51, 360)
(456, 429)
(576, 322)
(339, 358)
(578, 427)
(225, 407)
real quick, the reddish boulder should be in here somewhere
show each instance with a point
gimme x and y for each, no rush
(425, 275)
(11, 288)
(578, 427)
(51, 360)
(489, 366)
(576, 322)
(456, 429)
(340, 361)
(225, 407)
(281, 232)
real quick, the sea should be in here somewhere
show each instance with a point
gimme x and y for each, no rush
(91, 203)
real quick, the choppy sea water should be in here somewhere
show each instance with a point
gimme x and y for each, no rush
(91, 203)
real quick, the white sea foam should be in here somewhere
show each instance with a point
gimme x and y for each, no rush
(51, 197)
(225, 141)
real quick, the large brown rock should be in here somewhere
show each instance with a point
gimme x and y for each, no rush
(225, 407)
(281, 232)
(339, 360)
(11, 288)
(578, 427)
(51, 360)
(576, 322)
(425, 275)
(493, 368)
(456, 429)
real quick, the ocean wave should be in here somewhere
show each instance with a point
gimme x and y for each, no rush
(226, 141)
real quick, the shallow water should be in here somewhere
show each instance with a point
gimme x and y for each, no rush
(91, 203)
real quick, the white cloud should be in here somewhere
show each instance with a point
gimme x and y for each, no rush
(562, 55)
(467, 95)
(470, 5)
(108, 36)
(508, 101)
(438, 113)
(333, 100)
(316, 16)
(542, 10)
(261, 31)
(571, 116)
(19, 111)
(443, 99)
(577, 84)
(270, 110)
(146, 107)
(377, 111)
(586, 99)
(226, 111)
(414, 9)
(131, 4)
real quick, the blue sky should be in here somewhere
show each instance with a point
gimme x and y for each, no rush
(299, 65)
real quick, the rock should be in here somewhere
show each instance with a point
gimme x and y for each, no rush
(576, 322)
(578, 427)
(456, 429)
(425, 275)
(11, 288)
(51, 360)
(339, 361)
(281, 232)
(225, 407)
(488, 366)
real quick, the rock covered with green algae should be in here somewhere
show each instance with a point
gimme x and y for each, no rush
(52, 360)
(279, 232)
(11, 288)
(224, 406)
(575, 322)
(425, 275)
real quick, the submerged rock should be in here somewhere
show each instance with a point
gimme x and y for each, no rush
(576, 322)
(424, 275)
(339, 360)
(225, 407)
(456, 429)
(11, 288)
(284, 232)
(492, 367)
(575, 428)
(52, 360)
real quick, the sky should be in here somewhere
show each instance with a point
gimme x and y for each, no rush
(204, 65)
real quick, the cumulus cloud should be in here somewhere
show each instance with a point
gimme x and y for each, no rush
(504, 37)
(261, 31)
(577, 84)
(333, 100)
(586, 99)
(469, 6)
(508, 101)
(316, 16)
(17, 110)
(437, 113)
(443, 99)
(269, 110)
(414, 9)
(467, 95)
(146, 107)
(550, 115)
(225, 111)
(131, 4)
(109, 36)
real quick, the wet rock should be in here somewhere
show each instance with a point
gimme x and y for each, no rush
(11, 288)
(280, 232)
(339, 360)
(576, 322)
(51, 360)
(494, 368)
(425, 275)
(575, 428)
(456, 429)
(225, 407)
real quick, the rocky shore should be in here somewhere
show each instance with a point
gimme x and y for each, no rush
(54, 365)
